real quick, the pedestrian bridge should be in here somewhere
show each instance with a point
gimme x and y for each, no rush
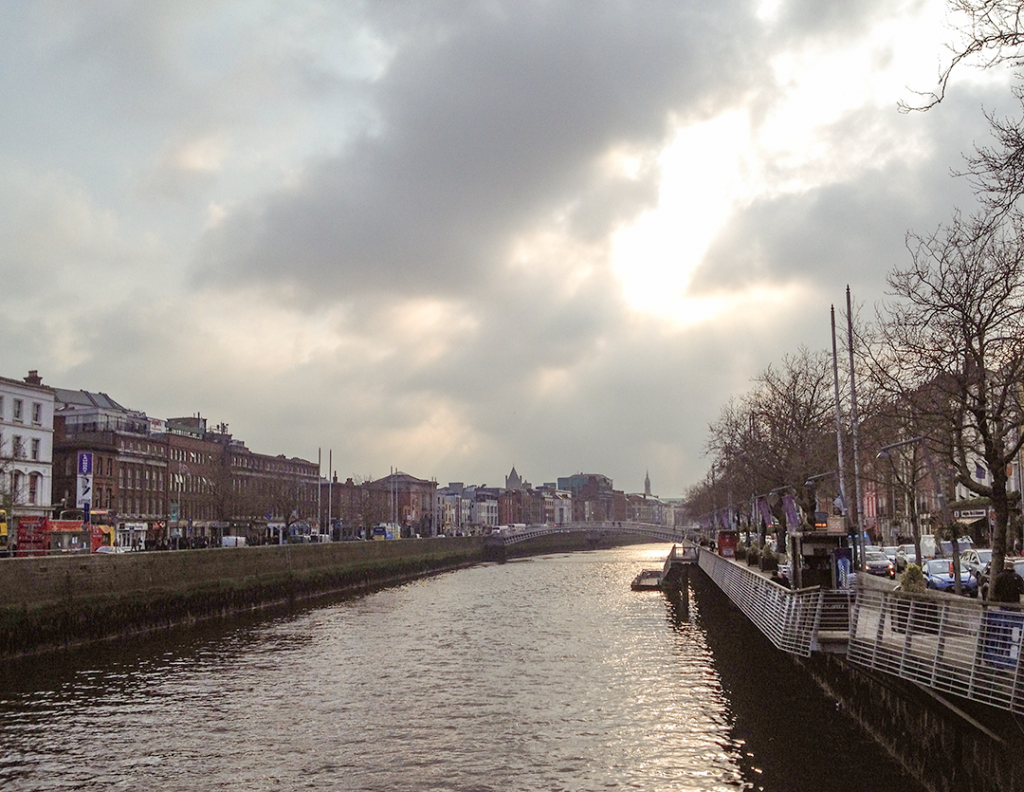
(942, 642)
(659, 532)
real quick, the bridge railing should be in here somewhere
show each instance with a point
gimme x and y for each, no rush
(951, 644)
(792, 620)
(640, 529)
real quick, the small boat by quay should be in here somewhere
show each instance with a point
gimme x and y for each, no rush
(647, 580)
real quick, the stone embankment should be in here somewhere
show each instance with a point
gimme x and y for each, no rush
(49, 604)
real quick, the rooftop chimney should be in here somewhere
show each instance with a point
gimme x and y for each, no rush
(33, 378)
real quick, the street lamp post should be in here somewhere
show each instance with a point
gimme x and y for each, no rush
(947, 519)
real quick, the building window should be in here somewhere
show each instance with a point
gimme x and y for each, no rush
(35, 449)
(33, 488)
(18, 407)
(18, 449)
(37, 413)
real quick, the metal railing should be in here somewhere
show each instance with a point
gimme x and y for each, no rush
(638, 529)
(797, 622)
(947, 643)
(684, 554)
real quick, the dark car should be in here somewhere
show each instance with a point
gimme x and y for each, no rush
(877, 563)
(984, 574)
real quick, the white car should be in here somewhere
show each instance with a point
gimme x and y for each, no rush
(975, 559)
(905, 555)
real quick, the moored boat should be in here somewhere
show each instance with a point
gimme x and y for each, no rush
(647, 580)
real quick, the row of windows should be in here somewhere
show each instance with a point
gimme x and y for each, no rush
(195, 457)
(138, 506)
(18, 487)
(18, 411)
(141, 447)
(140, 477)
(22, 450)
(274, 466)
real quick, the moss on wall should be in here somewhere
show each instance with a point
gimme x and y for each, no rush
(53, 603)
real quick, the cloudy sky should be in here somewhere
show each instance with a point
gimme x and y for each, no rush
(451, 237)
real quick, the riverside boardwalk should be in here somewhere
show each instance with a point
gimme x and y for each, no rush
(937, 678)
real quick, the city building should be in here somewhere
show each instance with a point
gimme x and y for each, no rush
(175, 482)
(26, 448)
(404, 500)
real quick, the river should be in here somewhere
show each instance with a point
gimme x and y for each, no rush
(541, 674)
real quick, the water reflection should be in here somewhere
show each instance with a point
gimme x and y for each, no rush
(789, 734)
(543, 674)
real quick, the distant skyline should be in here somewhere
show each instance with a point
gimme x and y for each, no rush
(451, 238)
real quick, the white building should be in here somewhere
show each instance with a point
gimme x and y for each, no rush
(26, 445)
(484, 514)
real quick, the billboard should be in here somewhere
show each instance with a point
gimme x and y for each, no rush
(83, 499)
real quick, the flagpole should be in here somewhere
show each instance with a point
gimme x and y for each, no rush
(839, 427)
(854, 423)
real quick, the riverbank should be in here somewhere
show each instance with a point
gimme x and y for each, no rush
(51, 604)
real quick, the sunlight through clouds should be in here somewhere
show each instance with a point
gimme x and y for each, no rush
(801, 139)
(701, 173)
(449, 236)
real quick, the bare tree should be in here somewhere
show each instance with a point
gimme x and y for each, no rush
(779, 434)
(953, 348)
(991, 34)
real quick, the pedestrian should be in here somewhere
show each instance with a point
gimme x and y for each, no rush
(1007, 587)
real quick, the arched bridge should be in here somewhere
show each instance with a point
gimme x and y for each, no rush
(659, 532)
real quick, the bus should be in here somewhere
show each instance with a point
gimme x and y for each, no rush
(382, 531)
(102, 528)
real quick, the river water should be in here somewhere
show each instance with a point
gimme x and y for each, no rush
(541, 674)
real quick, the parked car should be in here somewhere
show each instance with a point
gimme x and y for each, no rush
(963, 544)
(876, 563)
(984, 575)
(976, 559)
(890, 553)
(905, 555)
(938, 575)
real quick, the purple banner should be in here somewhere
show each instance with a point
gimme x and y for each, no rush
(792, 513)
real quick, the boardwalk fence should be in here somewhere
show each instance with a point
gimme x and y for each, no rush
(797, 622)
(951, 644)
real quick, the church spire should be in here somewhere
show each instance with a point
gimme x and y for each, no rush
(647, 484)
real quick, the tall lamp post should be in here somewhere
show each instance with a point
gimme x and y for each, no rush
(947, 518)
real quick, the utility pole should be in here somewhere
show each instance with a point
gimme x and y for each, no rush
(854, 422)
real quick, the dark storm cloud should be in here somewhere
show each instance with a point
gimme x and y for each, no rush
(489, 123)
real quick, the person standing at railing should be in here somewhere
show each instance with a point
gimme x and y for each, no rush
(1007, 587)
(1003, 627)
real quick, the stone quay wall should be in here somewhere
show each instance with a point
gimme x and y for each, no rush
(56, 602)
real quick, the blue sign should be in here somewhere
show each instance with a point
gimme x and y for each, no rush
(84, 463)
